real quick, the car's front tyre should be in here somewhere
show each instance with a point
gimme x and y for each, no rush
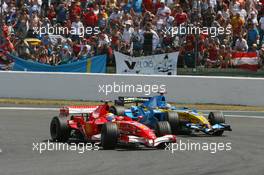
(216, 118)
(109, 135)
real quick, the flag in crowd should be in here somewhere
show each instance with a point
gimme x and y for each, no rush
(249, 61)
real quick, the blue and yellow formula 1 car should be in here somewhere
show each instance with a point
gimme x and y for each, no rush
(182, 120)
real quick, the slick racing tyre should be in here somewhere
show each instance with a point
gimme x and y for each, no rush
(59, 129)
(163, 128)
(117, 110)
(216, 118)
(109, 136)
(174, 121)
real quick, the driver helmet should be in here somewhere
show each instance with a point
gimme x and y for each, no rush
(110, 117)
(135, 111)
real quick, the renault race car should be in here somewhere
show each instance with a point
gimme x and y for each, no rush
(96, 124)
(182, 120)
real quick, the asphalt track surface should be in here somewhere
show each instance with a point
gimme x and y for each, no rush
(21, 128)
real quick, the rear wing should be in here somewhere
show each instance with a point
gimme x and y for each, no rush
(68, 110)
(127, 100)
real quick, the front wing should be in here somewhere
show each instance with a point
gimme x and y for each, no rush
(130, 139)
(214, 128)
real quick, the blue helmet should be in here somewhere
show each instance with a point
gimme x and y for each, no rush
(134, 110)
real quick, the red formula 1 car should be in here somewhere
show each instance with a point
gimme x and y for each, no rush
(96, 124)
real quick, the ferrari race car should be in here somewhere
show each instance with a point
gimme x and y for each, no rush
(96, 124)
(182, 120)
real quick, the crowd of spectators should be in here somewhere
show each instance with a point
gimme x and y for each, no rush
(133, 27)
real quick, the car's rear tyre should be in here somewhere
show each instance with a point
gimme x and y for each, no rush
(117, 110)
(109, 136)
(216, 118)
(174, 121)
(59, 129)
(163, 128)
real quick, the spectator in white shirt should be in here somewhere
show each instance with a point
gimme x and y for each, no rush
(242, 12)
(212, 3)
(241, 44)
(253, 18)
(163, 11)
(115, 16)
(128, 31)
(77, 29)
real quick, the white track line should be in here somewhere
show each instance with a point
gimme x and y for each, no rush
(29, 109)
(233, 111)
(57, 109)
(245, 116)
